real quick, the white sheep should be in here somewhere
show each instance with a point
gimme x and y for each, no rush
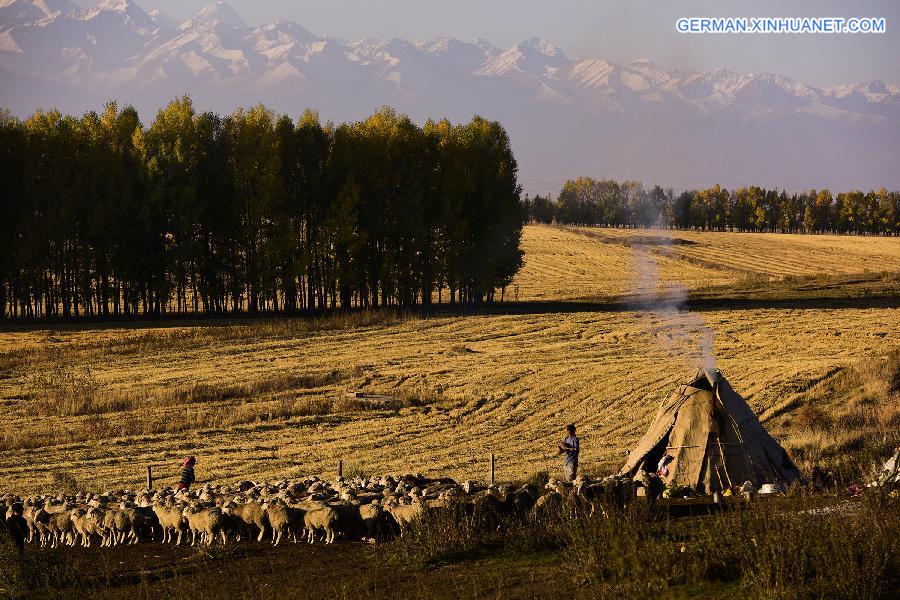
(250, 515)
(99, 516)
(38, 524)
(110, 537)
(85, 526)
(205, 524)
(374, 521)
(61, 529)
(405, 514)
(325, 519)
(284, 519)
(124, 525)
(171, 520)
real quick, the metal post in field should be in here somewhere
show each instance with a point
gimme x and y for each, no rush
(149, 477)
(492, 468)
(340, 468)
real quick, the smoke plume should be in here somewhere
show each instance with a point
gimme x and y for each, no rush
(683, 334)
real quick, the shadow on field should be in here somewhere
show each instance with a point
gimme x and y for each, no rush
(389, 316)
(251, 570)
(703, 304)
(815, 292)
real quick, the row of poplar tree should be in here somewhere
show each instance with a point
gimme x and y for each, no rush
(251, 212)
(587, 201)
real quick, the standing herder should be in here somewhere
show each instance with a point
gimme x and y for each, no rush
(570, 447)
(187, 473)
(17, 526)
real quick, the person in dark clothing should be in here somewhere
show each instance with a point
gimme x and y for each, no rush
(187, 473)
(570, 447)
(17, 526)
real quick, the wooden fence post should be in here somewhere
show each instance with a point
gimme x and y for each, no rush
(340, 468)
(149, 477)
(492, 468)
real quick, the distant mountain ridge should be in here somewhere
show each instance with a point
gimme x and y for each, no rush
(566, 117)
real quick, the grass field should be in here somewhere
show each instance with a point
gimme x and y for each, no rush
(269, 398)
(600, 263)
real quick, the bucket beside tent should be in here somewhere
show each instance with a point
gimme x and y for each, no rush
(706, 437)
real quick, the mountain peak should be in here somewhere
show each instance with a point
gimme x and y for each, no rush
(284, 25)
(219, 11)
(541, 46)
(877, 86)
(163, 19)
(19, 10)
(125, 12)
(116, 5)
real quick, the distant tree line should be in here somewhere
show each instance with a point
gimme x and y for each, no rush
(250, 212)
(586, 201)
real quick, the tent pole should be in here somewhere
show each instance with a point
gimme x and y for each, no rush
(722, 460)
(719, 476)
(737, 431)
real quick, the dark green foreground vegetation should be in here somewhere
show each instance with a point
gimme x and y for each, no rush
(800, 546)
(812, 547)
(251, 212)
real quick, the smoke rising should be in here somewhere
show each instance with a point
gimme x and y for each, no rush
(682, 333)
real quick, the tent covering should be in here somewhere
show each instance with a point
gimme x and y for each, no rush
(890, 470)
(706, 437)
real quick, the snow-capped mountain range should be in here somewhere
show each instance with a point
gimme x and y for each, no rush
(566, 117)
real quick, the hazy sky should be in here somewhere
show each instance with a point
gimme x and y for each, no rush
(611, 29)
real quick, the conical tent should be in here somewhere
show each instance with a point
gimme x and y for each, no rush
(705, 436)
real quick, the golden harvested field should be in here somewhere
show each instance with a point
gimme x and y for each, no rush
(266, 399)
(599, 263)
(564, 264)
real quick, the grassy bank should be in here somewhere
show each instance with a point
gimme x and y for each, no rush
(800, 547)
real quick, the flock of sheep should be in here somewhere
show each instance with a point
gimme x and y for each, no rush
(303, 510)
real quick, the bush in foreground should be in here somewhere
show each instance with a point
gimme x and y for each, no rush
(777, 548)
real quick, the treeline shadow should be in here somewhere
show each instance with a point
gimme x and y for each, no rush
(336, 319)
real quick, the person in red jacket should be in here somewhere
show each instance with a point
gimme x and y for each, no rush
(187, 473)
